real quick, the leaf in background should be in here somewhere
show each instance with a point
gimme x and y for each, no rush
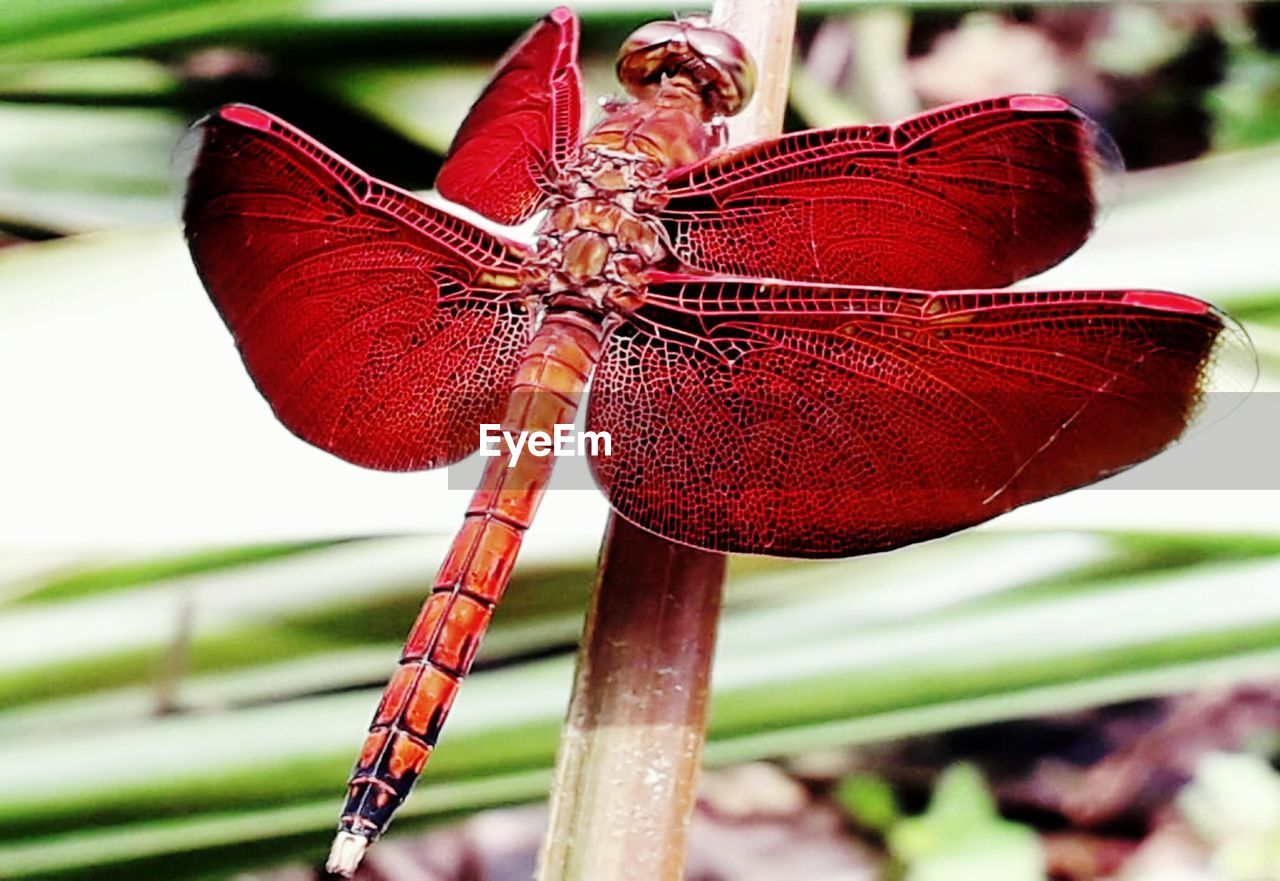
(38, 30)
(426, 102)
(869, 800)
(1234, 805)
(962, 837)
(1246, 104)
(819, 105)
(77, 581)
(284, 609)
(88, 79)
(76, 169)
(886, 662)
(1137, 40)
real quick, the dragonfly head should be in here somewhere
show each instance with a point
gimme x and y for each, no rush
(688, 52)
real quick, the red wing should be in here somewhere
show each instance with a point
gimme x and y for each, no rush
(524, 127)
(974, 195)
(379, 328)
(835, 421)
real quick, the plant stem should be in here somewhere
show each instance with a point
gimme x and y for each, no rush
(768, 29)
(627, 768)
(631, 748)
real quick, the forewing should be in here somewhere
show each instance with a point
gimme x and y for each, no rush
(379, 328)
(834, 421)
(974, 195)
(526, 124)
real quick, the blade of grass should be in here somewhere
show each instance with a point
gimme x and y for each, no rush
(90, 80)
(76, 169)
(76, 29)
(1106, 641)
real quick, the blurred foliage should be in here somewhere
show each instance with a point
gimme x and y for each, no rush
(1234, 805)
(1246, 106)
(188, 715)
(79, 582)
(869, 800)
(963, 838)
(996, 627)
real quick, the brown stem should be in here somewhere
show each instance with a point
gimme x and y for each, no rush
(627, 767)
(767, 28)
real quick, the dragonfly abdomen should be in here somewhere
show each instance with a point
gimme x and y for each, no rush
(442, 645)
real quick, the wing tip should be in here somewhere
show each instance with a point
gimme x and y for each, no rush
(1040, 103)
(245, 115)
(1163, 301)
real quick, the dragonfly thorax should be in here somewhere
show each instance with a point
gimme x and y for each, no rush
(664, 131)
(595, 242)
(600, 235)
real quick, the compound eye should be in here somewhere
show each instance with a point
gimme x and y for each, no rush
(711, 61)
(650, 36)
(642, 56)
(723, 52)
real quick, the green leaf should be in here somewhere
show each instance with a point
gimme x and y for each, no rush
(32, 30)
(88, 79)
(962, 837)
(76, 169)
(870, 801)
(907, 644)
(426, 102)
(1246, 104)
(84, 580)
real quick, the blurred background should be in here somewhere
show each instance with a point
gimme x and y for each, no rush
(197, 610)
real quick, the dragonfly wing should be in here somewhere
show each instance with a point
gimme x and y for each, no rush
(524, 127)
(379, 328)
(808, 420)
(974, 195)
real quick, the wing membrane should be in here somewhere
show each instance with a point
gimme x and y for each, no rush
(828, 421)
(970, 196)
(523, 128)
(379, 328)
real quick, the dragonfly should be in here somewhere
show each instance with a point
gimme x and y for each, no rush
(802, 346)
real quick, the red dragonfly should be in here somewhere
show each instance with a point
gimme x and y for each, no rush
(794, 345)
